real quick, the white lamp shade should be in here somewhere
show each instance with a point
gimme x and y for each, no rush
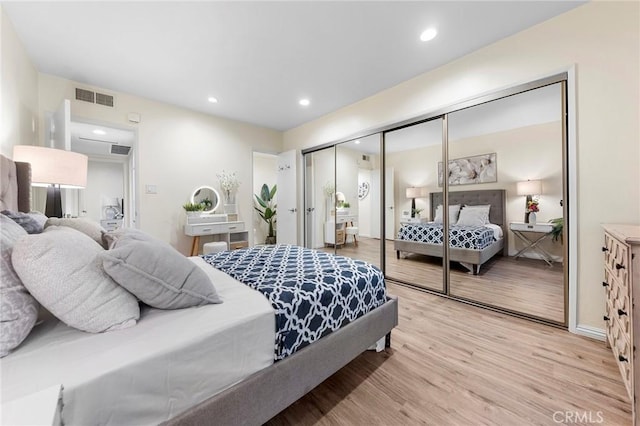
(530, 187)
(53, 166)
(416, 192)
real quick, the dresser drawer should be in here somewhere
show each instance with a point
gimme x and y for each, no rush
(213, 228)
(233, 226)
(622, 351)
(616, 257)
(622, 309)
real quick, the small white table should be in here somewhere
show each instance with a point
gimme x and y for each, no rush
(543, 231)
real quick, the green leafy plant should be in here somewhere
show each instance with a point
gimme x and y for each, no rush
(193, 207)
(346, 205)
(206, 204)
(558, 228)
(266, 208)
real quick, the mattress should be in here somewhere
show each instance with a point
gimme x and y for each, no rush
(464, 237)
(168, 362)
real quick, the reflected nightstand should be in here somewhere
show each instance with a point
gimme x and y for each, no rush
(543, 231)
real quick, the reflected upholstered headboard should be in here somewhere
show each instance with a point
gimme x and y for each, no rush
(15, 185)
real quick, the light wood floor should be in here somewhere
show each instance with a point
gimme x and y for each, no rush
(455, 364)
(524, 285)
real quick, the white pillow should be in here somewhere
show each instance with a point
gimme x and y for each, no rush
(454, 211)
(473, 217)
(62, 270)
(484, 207)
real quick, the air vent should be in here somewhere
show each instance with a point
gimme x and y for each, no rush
(84, 95)
(365, 157)
(120, 149)
(102, 99)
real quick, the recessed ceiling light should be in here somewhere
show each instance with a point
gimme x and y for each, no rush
(357, 141)
(304, 102)
(99, 132)
(428, 34)
(212, 100)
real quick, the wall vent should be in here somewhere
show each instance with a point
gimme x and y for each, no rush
(120, 149)
(102, 99)
(84, 95)
(366, 158)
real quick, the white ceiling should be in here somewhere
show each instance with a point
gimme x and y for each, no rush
(260, 58)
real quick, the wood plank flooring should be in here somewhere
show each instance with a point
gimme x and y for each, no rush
(524, 285)
(455, 364)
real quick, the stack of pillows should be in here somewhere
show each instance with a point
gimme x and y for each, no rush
(89, 279)
(469, 215)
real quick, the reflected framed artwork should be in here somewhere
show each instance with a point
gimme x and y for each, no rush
(471, 170)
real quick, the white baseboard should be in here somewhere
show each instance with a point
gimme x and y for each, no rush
(593, 332)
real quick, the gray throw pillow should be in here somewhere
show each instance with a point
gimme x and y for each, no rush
(18, 309)
(156, 273)
(62, 269)
(27, 221)
(109, 238)
(86, 226)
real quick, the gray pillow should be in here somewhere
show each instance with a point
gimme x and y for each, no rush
(28, 222)
(110, 238)
(86, 226)
(156, 273)
(62, 269)
(18, 309)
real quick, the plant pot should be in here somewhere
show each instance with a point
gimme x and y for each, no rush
(270, 240)
(231, 209)
(193, 214)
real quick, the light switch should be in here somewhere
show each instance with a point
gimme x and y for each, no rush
(151, 189)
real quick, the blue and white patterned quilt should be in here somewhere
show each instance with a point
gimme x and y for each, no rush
(468, 237)
(312, 292)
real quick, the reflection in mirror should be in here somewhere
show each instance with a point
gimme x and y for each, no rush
(357, 214)
(208, 196)
(320, 192)
(498, 147)
(414, 252)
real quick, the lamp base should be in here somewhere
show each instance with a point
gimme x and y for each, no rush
(54, 202)
(413, 207)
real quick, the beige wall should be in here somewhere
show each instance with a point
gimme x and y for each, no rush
(18, 91)
(602, 40)
(178, 150)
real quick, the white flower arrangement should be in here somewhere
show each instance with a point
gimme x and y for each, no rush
(228, 183)
(329, 189)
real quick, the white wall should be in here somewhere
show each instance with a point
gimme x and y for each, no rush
(18, 91)
(602, 40)
(265, 170)
(178, 150)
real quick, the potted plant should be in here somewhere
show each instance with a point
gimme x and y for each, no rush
(558, 228)
(266, 208)
(229, 184)
(193, 209)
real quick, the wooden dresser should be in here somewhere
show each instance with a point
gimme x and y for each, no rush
(622, 317)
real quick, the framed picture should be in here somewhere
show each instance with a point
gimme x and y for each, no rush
(471, 170)
(406, 214)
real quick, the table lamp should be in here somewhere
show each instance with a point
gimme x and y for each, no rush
(55, 169)
(529, 188)
(413, 193)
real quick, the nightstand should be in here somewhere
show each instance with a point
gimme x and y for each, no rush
(542, 231)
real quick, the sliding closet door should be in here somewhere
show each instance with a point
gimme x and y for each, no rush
(413, 247)
(507, 156)
(357, 212)
(319, 200)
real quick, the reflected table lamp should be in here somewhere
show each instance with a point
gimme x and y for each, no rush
(414, 193)
(55, 169)
(529, 188)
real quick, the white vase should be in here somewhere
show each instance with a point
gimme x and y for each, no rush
(231, 208)
(532, 218)
(193, 214)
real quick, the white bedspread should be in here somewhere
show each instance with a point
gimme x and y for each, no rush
(151, 372)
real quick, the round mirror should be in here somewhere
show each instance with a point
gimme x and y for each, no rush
(208, 196)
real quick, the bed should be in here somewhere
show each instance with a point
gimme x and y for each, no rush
(472, 253)
(222, 364)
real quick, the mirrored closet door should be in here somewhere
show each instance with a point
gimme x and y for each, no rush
(506, 173)
(413, 229)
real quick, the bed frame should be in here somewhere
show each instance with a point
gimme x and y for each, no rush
(264, 394)
(471, 259)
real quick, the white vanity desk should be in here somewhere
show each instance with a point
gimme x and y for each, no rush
(209, 223)
(233, 233)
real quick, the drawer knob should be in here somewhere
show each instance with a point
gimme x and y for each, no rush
(605, 284)
(621, 312)
(606, 318)
(622, 359)
(619, 266)
(605, 249)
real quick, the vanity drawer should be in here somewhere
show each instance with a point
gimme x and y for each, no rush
(213, 228)
(233, 226)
